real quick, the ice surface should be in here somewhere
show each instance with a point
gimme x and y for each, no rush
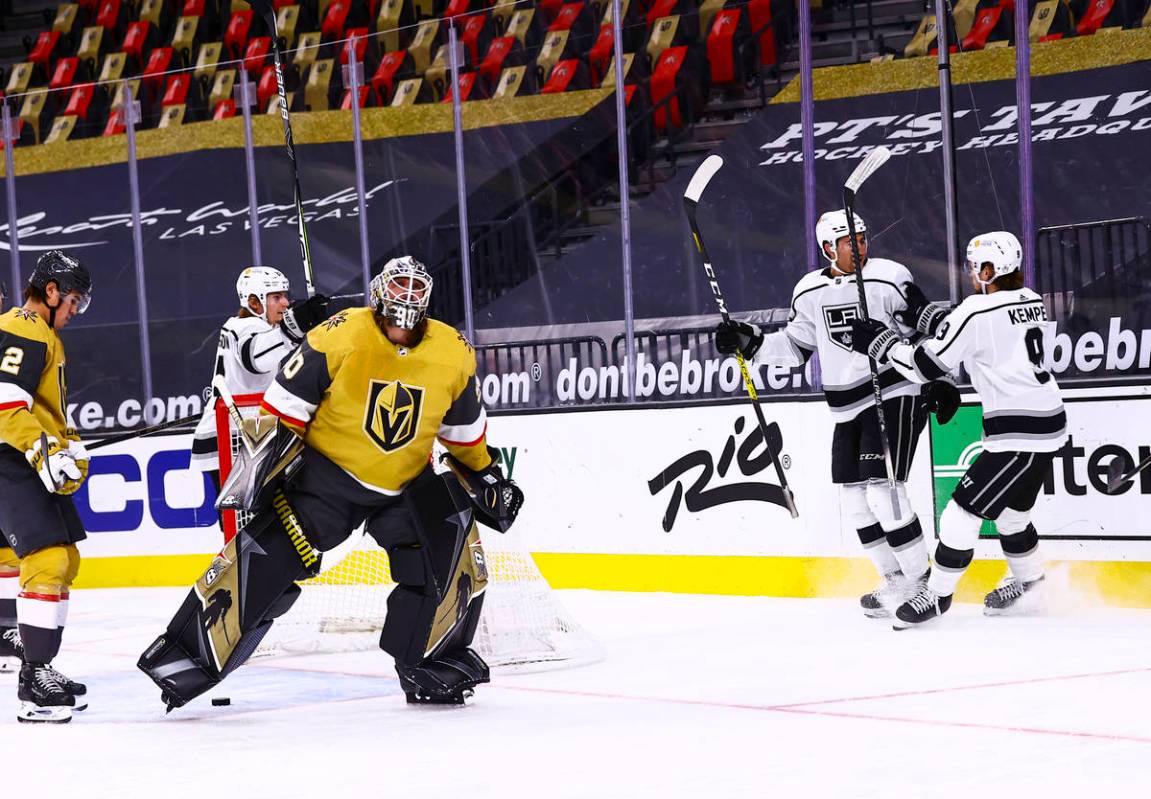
(699, 696)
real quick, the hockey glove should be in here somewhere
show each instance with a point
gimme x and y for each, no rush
(78, 452)
(872, 338)
(920, 314)
(732, 337)
(942, 398)
(55, 467)
(497, 498)
(303, 315)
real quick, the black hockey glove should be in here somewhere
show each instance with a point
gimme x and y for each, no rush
(920, 314)
(872, 338)
(942, 399)
(497, 498)
(303, 315)
(732, 337)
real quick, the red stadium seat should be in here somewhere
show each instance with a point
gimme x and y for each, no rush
(728, 32)
(500, 54)
(600, 54)
(267, 88)
(136, 40)
(759, 15)
(108, 17)
(986, 21)
(80, 100)
(225, 109)
(471, 88)
(159, 62)
(660, 8)
(236, 35)
(1094, 16)
(393, 67)
(567, 75)
(361, 38)
(44, 51)
(257, 53)
(363, 91)
(176, 90)
(456, 8)
(664, 81)
(551, 8)
(335, 20)
(116, 123)
(477, 33)
(192, 8)
(568, 16)
(65, 73)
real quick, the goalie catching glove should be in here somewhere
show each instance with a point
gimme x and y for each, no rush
(497, 498)
(732, 337)
(55, 465)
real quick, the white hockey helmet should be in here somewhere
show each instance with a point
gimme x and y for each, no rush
(832, 227)
(260, 281)
(999, 248)
(401, 292)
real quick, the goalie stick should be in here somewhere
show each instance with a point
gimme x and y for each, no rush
(874, 160)
(266, 9)
(695, 187)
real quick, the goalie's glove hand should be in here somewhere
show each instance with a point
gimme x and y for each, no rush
(78, 452)
(56, 468)
(942, 399)
(303, 315)
(872, 338)
(732, 337)
(920, 314)
(501, 498)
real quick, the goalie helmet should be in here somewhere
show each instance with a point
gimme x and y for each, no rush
(998, 248)
(401, 292)
(832, 227)
(260, 281)
(66, 271)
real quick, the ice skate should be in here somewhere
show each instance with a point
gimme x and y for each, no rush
(924, 606)
(1013, 597)
(42, 696)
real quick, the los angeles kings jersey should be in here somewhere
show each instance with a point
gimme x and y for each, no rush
(822, 307)
(998, 338)
(375, 408)
(249, 352)
(33, 393)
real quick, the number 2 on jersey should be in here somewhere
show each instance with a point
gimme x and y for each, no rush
(1034, 341)
(10, 363)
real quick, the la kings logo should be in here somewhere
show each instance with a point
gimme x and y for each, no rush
(392, 418)
(838, 320)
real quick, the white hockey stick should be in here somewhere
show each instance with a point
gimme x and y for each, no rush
(695, 187)
(221, 389)
(874, 160)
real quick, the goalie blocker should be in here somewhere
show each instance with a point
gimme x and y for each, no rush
(435, 556)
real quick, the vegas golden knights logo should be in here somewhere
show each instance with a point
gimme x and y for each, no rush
(393, 414)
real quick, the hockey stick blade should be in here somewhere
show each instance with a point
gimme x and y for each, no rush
(703, 175)
(1116, 477)
(874, 160)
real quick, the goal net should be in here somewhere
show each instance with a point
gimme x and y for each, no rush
(523, 624)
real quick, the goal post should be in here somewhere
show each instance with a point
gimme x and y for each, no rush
(523, 624)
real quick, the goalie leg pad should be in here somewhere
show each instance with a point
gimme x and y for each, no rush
(231, 607)
(437, 560)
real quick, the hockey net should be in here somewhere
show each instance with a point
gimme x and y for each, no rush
(523, 625)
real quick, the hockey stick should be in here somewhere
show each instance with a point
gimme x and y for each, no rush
(146, 431)
(1117, 477)
(874, 160)
(220, 386)
(695, 187)
(266, 9)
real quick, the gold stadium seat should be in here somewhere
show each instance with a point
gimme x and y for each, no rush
(609, 75)
(388, 24)
(1050, 18)
(151, 11)
(555, 47)
(20, 78)
(707, 11)
(501, 13)
(172, 116)
(436, 75)
(307, 50)
(208, 59)
(424, 43)
(410, 92)
(91, 46)
(287, 20)
(963, 14)
(185, 36)
(274, 103)
(113, 66)
(117, 92)
(527, 26)
(32, 109)
(666, 32)
(423, 9)
(512, 81)
(318, 87)
(62, 127)
(923, 39)
(222, 85)
(65, 20)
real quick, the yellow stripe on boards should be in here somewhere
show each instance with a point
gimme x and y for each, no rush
(1116, 583)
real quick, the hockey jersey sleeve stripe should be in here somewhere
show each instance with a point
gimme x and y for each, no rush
(464, 435)
(288, 407)
(1029, 425)
(927, 364)
(7, 406)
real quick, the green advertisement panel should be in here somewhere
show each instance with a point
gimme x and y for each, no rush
(954, 447)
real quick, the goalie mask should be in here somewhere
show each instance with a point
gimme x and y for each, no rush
(998, 248)
(401, 292)
(832, 227)
(260, 281)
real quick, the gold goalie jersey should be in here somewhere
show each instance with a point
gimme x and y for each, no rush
(375, 408)
(33, 397)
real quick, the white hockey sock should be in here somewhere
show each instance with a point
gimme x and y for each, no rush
(9, 588)
(875, 544)
(62, 610)
(909, 548)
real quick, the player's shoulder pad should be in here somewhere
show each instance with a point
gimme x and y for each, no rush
(243, 326)
(343, 329)
(27, 325)
(450, 341)
(886, 269)
(816, 278)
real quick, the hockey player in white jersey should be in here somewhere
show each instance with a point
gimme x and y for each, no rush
(823, 305)
(997, 336)
(252, 344)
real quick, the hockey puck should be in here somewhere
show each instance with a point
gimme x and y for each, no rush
(221, 701)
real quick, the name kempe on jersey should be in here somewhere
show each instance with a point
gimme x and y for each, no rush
(998, 338)
(33, 394)
(822, 307)
(375, 408)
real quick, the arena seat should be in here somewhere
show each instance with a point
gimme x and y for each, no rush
(394, 66)
(576, 18)
(470, 86)
(570, 74)
(366, 48)
(512, 82)
(32, 113)
(207, 60)
(761, 20)
(991, 23)
(67, 15)
(599, 55)
(186, 37)
(172, 116)
(668, 32)
(392, 16)
(112, 16)
(117, 122)
(20, 78)
(44, 52)
(88, 104)
(558, 46)
(256, 54)
(236, 34)
(65, 73)
(113, 68)
(139, 39)
(476, 34)
(323, 85)
(94, 44)
(503, 53)
(160, 14)
(923, 40)
(1098, 14)
(411, 92)
(365, 97)
(429, 36)
(223, 86)
(307, 51)
(224, 109)
(1051, 20)
(527, 25)
(675, 79)
(61, 129)
(729, 61)
(287, 25)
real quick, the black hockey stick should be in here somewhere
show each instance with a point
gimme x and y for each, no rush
(267, 11)
(145, 431)
(874, 160)
(1117, 477)
(699, 181)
